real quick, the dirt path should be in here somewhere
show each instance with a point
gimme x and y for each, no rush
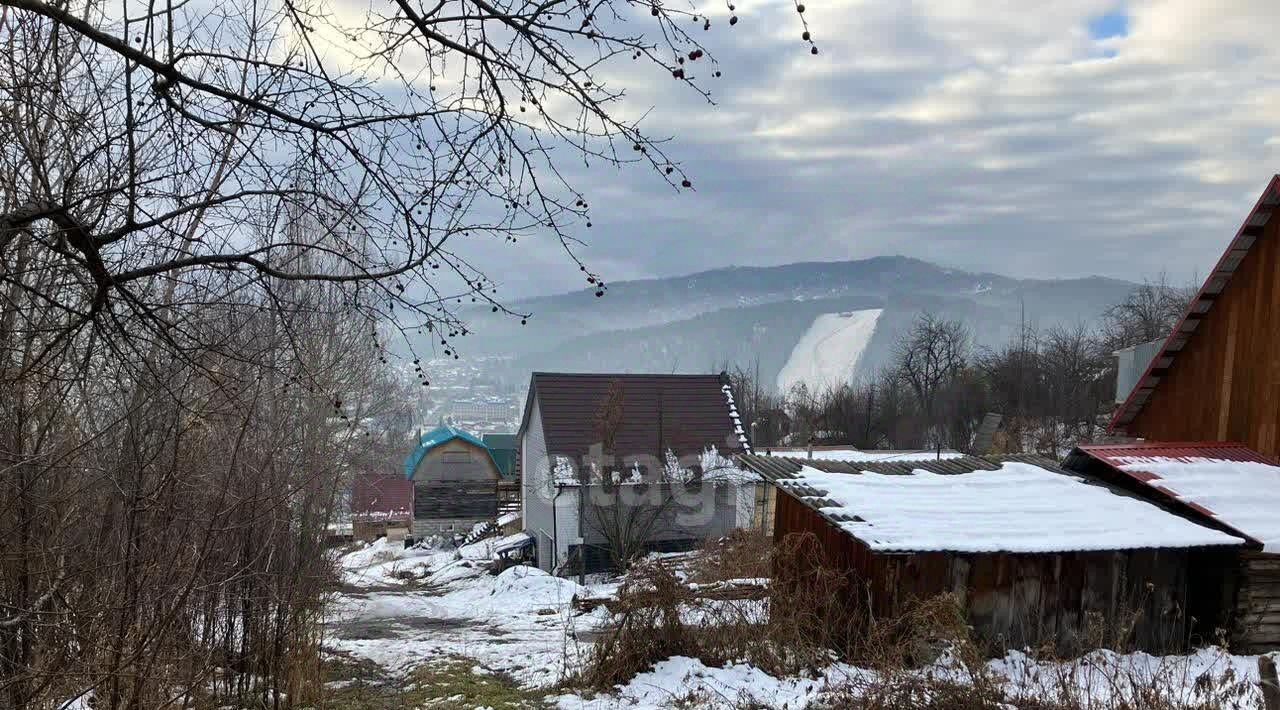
(449, 681)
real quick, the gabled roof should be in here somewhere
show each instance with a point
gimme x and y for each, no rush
(381, 496)
(1224, 483)
(1020, 504)
(683, 413)
(436, 437)
(1200, 306)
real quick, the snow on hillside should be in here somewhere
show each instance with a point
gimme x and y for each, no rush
(828, 353)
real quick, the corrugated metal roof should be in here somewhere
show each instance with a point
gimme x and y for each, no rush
(1222, 450)
(1017, 504)
(847, 453)
(683, 413)
(1200, 306)
(1143, 465)
(775, 467)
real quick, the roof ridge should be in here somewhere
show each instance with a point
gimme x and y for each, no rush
(620, 375)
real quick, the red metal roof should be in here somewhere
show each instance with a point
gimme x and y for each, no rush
(1119, 459)
(381, 496)
(1200, 306)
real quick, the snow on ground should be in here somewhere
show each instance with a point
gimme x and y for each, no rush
(1211, 676)
(733, 686)
(1208, 674)
(521, 622)
(828, 353)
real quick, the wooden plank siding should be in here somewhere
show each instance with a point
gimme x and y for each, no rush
(455, 485)
(1225, 383)
(1257, 610)
(1021, 600)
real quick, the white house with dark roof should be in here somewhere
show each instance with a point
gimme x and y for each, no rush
(670, 472)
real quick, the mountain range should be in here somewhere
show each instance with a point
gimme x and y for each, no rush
(814, 319)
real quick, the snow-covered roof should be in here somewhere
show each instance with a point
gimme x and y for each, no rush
(1244, 495)
(851, 454)
(1018, 507)
(507, 518)
(1227, 482)
(511, 542)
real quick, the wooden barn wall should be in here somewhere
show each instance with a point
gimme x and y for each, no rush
(1225, 384)
(456, 480)
(370, 530)
(1018, 600)
(1257, 611)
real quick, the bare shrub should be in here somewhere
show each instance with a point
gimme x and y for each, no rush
(809, 616)
(742, 554)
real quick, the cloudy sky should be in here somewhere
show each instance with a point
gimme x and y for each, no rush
(1034, 139)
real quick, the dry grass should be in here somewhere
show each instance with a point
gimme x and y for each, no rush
(805, 623)
(784, 629)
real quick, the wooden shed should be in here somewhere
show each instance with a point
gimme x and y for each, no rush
(1034, 553)
(455, 480)
(1223, 485)
(1216, 377)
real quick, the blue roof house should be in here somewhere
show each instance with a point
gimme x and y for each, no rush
(455, 480)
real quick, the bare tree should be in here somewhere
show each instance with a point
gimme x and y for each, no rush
(1150, 312)
(762, 412)
(141, 142)
(214, 219)
(931, 356)
(162, 518)
(1078, 381)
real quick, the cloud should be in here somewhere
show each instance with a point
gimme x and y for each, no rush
(1071, 139)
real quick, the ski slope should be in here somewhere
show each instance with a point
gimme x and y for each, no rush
(828, 353)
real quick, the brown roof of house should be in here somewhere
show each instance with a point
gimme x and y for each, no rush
(381, 496)
(683, 413)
